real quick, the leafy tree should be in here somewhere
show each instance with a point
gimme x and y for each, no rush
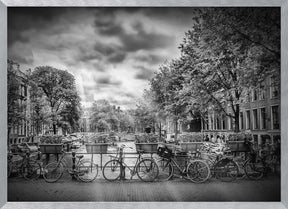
(144, 115)
(227, 51)
(60, 92)
(105, 117)
(165, 87)
(158, 114)
(126, 121)
(40, 111)
(70, 115)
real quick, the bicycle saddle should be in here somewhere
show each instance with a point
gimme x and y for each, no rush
(80, 156)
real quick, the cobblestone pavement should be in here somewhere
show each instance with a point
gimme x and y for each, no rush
(66, 189)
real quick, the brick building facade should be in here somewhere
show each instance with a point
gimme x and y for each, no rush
(259, 114)
(21, 131)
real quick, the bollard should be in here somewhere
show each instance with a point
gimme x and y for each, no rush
(47, 158)
(73, 164)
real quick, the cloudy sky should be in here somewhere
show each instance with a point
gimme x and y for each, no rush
(112, 52)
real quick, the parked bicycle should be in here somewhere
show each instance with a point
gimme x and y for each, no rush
(26, 167)
(85, 170)
(145, 168)
(221, 163)
(256, 166)
(195, 170)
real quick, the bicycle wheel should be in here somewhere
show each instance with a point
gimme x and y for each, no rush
(147, 170)
(87, 171)
(254, 170)
(31, 170)
(165, 169)
(112, 170)
(226, 170)
(241, 174)
(198, 171)
(53, 172)
(240, 161)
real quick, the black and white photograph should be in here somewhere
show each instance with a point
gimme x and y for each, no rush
(144, 104)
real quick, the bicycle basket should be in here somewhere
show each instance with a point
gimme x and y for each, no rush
(164, 152)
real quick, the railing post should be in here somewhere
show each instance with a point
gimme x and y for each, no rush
(39, 154)
(73, 164)
(101, 160)
(122, 172)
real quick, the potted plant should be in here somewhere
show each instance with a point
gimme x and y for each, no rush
(147, 142)
(98, 144)
(190, 141)
(51, 144)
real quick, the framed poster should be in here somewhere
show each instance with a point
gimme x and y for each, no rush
(115, 38)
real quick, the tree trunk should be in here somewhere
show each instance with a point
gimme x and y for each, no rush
(54, 128)
(237, 113)
(160, 129)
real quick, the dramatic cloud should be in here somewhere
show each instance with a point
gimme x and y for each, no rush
(138, 39)
(144, 73)
(150, 58)
(107, 80)
(29, 18)
(112, 52)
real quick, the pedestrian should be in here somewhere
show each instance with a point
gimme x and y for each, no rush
(223, 139)
(265, 148)
(212, 139)
(206, 138)
(218, 140)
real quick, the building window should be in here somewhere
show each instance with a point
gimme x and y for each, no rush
(218, 123)
(229, 123)
(255, 119)
(248, 120)
(248, 96)
(274, 87)
(275, 117)
(206, 123)
(211, 123)
(24, 127)
(263, 118)
(256, 143)
(262, 91)
(241, 121)
(223, 122)
(255, 94)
